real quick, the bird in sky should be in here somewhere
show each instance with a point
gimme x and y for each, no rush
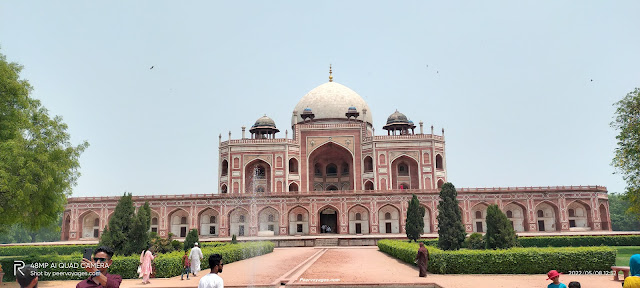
(151, 68)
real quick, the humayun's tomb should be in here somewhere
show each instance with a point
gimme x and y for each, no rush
(333, 175)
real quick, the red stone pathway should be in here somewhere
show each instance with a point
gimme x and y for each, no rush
(347, 265)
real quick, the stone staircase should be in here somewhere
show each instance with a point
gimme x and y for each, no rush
(326, 242)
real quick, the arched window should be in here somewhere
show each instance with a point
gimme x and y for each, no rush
(358, 216)
(223, 189)
(270, 218)
(540, 213)
(259, 172)
(403, 169)
(96, 222)
(241, 218)
(154, 221)
(212, 219)
(387, 216)
(440, 183)
(293, 187)
(572, 213)
(260, 189)
(225, 168)
(317, 170)
(478, 214)
(509, 214)
(368, 185)
(439, 162)
(332, 170)
(183, 220)
(368, 164)
(299, 217)
(293, 166)
(332, 188)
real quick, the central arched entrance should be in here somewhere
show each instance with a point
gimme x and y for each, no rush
(331, 168)
(328, 220)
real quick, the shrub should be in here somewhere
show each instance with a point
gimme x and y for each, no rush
(506, 261)
(23, 250)
(578, 241)
(415, 219)
(451, 231)
(191, 239)
(233, 239)
(500, 233)
(475, 241)
(167, 265)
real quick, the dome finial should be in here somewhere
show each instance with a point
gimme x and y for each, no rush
(330, 77)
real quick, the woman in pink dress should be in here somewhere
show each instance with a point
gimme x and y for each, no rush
(145, 265)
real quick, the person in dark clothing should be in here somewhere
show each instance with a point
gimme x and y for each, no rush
(422, 259)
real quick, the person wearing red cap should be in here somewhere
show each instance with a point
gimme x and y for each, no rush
(555, 277)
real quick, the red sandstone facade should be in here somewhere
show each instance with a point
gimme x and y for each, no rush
(335, 176)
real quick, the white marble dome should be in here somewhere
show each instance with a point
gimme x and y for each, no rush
(331, 101)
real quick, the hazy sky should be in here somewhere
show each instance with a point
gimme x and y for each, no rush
(510, 81)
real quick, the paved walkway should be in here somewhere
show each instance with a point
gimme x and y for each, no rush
(344, 265)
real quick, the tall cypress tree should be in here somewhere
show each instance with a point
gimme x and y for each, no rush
(415, 219)
(191, 239)
(127, 233)
(451, 232)
(500, 233)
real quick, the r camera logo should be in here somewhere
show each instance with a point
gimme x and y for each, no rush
(17, 267)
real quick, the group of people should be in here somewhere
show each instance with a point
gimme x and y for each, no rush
(633, 281)
(325, 228)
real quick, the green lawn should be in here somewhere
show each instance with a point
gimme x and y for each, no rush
(624, 253)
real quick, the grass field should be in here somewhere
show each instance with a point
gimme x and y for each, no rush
(624, 253)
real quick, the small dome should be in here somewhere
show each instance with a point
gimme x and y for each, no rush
(397, 118)
(264, 122)
(307, 110)
(352, 109)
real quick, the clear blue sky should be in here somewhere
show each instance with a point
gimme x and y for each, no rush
(510, 81)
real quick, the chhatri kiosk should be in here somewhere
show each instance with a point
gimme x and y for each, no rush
(334, 174)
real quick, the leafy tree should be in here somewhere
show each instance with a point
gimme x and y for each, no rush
(127, 233)
(451, 232)
(191, 239)
(627, 154)
(18, 234)
(621, 219)
(500, 233)
(38, 164)
(415, 219)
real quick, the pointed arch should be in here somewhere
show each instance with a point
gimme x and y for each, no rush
(90, 228)
(298, 220)
(239, 221)
(389, 219)
(547, 216)
(257, 174)
(428, 227)
(209, 221)
(358, 219)
(519, 216)
(580, 219)
(269, 220)
(479, 217)
(179, 222)
(329, 217)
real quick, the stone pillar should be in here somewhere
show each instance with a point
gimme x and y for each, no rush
(421, 127)
(243, 133)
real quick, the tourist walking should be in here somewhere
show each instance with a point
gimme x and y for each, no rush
(145, 265)
(213, 280)
(186, 266)
(194, 257)
(422, 259)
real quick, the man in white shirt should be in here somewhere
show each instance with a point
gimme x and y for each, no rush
(212, 280)
(194, 257)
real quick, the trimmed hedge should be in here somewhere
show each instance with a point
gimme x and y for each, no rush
(23, 250)
(167, 265)
(580, 241)
(507, 261)
(567, 241)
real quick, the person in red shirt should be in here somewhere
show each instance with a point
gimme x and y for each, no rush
(98, 270)
(186, 266)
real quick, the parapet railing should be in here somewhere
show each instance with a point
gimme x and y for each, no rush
(540, 189)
